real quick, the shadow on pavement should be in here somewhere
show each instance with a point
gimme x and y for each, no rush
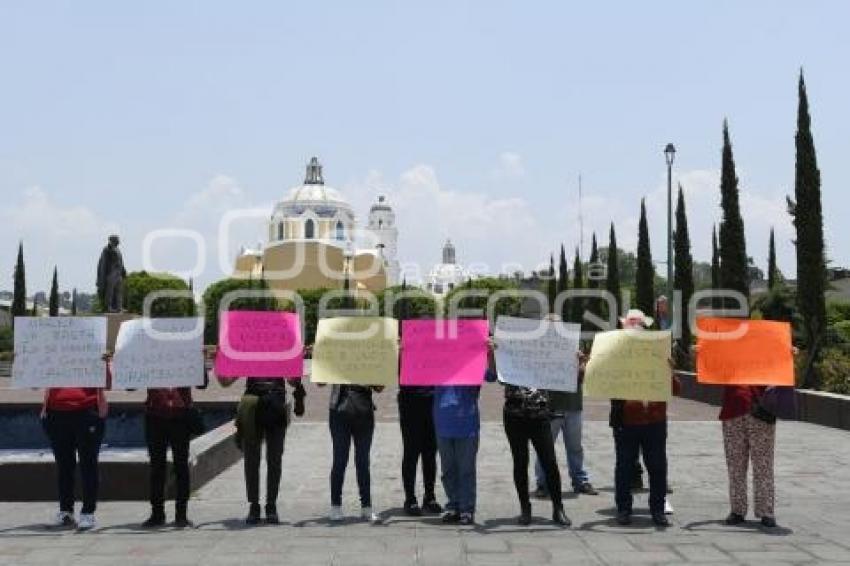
(720, 526)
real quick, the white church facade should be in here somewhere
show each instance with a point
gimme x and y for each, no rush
(314, 241)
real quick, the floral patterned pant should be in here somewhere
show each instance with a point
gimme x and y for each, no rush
(747, 438)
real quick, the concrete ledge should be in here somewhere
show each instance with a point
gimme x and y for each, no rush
(815, 407)
(124, 475)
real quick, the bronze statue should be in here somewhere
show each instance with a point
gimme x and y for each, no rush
(110, 277)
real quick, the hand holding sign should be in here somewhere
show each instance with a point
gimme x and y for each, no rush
(744, 352)
(444, 352)
(631, 365)
(542, 354)
(260, 344)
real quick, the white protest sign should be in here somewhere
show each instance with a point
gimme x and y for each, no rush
(537, 353)
(158, 352)
(57, 351)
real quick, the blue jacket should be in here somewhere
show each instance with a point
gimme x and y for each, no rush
(456, 409)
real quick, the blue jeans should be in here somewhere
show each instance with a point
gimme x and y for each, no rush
(458, 460)
(343, 431)
(570, 425)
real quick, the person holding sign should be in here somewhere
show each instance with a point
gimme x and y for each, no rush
(352, 418)
(416, 418)
(262, 416)
(640, 426)
(74, 419)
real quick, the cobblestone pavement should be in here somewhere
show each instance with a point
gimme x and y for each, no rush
(813, 509)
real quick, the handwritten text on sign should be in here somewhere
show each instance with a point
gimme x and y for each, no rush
(260, 344)
(59, 352)
(537, 353)
(744, 352)
(632, 365)
(443, 352)
(158, 352)
(359, 350)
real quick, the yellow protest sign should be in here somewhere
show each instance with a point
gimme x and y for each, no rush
(360, 350)
(632, 365)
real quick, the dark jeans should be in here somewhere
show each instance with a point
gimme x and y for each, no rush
(343, 431)
(416, 417)
(160, 434)
(252, 449)
(458, 459)
(520, 432)
(629, 441)
(74, 433)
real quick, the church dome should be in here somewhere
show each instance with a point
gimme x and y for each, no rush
(314, 189)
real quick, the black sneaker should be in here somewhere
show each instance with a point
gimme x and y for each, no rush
(154, 521)
(451, 517)
(586, 489)
(561, 518)
(412, 509)
(431, 507)
(660, 520)
(183, 523)
(624, 518)
(768, 522)
(253, 517)
(271, 514)
(734, 519)
(467, 519)
(540, 493)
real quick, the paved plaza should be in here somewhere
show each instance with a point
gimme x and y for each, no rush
(813, 509)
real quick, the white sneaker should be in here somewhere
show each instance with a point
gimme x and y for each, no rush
(336, 513)
(86, 522)
(64, 519)
(668, 509)
(368, 514)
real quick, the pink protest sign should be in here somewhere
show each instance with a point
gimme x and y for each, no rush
(259, 344)
(443, 352)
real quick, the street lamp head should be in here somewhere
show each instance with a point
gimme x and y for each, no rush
(669, 154)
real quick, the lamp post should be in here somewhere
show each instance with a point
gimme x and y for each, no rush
(669, 155)
(348, 253)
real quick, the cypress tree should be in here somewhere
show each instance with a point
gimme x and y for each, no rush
(683, 277)
(594, 305)
(715, 266)
(612, 272)
(19, 293)
(563, 282)
(771, 262)
(734, 274)
(645, 275)
(53, 304)
(577, 304)
(807, 214)
(551, 285)
(74, 302)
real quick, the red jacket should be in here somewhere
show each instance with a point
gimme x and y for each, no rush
(738, 400)
(71, 398)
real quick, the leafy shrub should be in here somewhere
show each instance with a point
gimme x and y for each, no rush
(834, 370)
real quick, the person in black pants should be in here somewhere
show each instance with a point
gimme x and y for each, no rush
(352, 417)
(167, 424)
(526, 419)
(416, 417)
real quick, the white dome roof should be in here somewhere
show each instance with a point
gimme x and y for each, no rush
(314, 193)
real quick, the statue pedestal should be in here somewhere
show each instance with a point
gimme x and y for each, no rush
(113, 323)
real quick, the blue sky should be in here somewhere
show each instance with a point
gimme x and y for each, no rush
(476, 118)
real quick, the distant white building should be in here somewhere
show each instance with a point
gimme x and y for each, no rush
(447, 275)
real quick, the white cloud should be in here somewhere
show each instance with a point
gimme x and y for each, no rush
(69, 236)
(510, 166)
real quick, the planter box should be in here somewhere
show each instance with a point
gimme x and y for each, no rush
(815, 407)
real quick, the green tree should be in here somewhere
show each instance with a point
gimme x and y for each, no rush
(594, 305)
(807, 214)
(214, 294)
(563, 282)
(715, 266)
(509, 304)
(551, 285)
(577, 304)
(772, 272)
(683, 277)
(140, 284)
(408, 302)
(19, 292)
(733, 249)
(612, 275)
(645, 277)
(53, 305)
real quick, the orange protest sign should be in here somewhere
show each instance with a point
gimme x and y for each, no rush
(744, 352)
